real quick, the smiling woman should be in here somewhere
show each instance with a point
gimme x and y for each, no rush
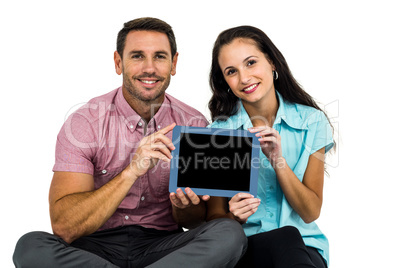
(265, 99)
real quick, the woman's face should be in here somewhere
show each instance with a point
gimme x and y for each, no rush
(246, 70)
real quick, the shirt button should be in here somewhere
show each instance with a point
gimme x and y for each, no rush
(126, 217)
(131, 126)
(104, 171)
(159, 126)
(142, 198)
(140, 123)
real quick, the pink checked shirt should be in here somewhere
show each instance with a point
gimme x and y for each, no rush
(100, 139)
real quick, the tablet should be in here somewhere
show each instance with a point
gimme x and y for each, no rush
(214, 161)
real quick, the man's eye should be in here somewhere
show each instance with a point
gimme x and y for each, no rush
(136, 56)
(160, 57)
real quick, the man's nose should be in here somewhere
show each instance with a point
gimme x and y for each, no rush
(148, 66)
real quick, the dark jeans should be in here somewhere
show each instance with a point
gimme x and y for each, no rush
(218, 243)
(280, 248)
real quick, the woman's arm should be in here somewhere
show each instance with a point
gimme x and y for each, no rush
(305, 197)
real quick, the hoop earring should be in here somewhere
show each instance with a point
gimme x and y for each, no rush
(275, 74)
(228, 90)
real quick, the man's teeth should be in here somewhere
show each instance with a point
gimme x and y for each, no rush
(148, 82)
(250, 87)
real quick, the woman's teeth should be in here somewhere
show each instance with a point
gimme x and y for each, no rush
(250, 88)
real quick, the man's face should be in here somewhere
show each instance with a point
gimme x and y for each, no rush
(146, 65)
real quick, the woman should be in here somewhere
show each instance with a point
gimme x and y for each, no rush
(254, 89)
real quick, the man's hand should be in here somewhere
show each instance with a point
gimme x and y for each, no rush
(152, 148)
(188, 210)
(182, 201)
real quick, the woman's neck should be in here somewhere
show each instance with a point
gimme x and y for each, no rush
(263, 112)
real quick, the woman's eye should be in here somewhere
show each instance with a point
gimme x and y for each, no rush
(229, 72)
(251, 62)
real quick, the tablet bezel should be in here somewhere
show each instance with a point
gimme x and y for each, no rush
(255, 151)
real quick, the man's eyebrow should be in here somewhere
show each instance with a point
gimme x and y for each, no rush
(136, 52)
(162, 52)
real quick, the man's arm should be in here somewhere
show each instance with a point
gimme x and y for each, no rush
(76, 209)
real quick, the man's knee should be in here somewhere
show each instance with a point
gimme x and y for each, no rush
(31, 247)
(230, 234)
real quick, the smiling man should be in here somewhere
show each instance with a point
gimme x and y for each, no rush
(109, 200)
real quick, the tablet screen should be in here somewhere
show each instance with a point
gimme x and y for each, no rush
(216, 162)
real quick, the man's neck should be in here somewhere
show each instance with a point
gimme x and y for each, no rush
(145, 109)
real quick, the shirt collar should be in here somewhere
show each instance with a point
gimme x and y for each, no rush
(132, 119)
(287, 112)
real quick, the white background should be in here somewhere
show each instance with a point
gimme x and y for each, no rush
(347, 54)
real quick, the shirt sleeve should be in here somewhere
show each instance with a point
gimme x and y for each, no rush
(323, 137)
(76, 144)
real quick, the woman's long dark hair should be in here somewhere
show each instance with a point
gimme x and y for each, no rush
(223, 103)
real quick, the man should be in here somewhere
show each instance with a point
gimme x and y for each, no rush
(109, 199)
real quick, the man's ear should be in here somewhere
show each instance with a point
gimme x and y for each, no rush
(118, 63)
(174, 63)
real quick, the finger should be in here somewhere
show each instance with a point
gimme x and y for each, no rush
(182, 197)
(239, 196)
(268, 139)
(257, 129)
(244, 217)
(267, 132)
(195, 200)
(174, 199)
(161, 148)
(159, 137)
(244, 204)
(246, 208)
(167, 129)
(159, 155)
(205, 197)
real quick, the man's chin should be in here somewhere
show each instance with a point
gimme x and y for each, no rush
(152, 98)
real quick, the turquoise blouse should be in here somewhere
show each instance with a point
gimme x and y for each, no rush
(303, 130)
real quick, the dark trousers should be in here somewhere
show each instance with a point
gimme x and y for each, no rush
(219, 243)
(280, 248)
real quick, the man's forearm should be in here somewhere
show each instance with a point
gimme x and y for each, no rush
(80, 214)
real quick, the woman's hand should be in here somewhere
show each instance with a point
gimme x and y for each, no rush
(243, 205)
(270, 141)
